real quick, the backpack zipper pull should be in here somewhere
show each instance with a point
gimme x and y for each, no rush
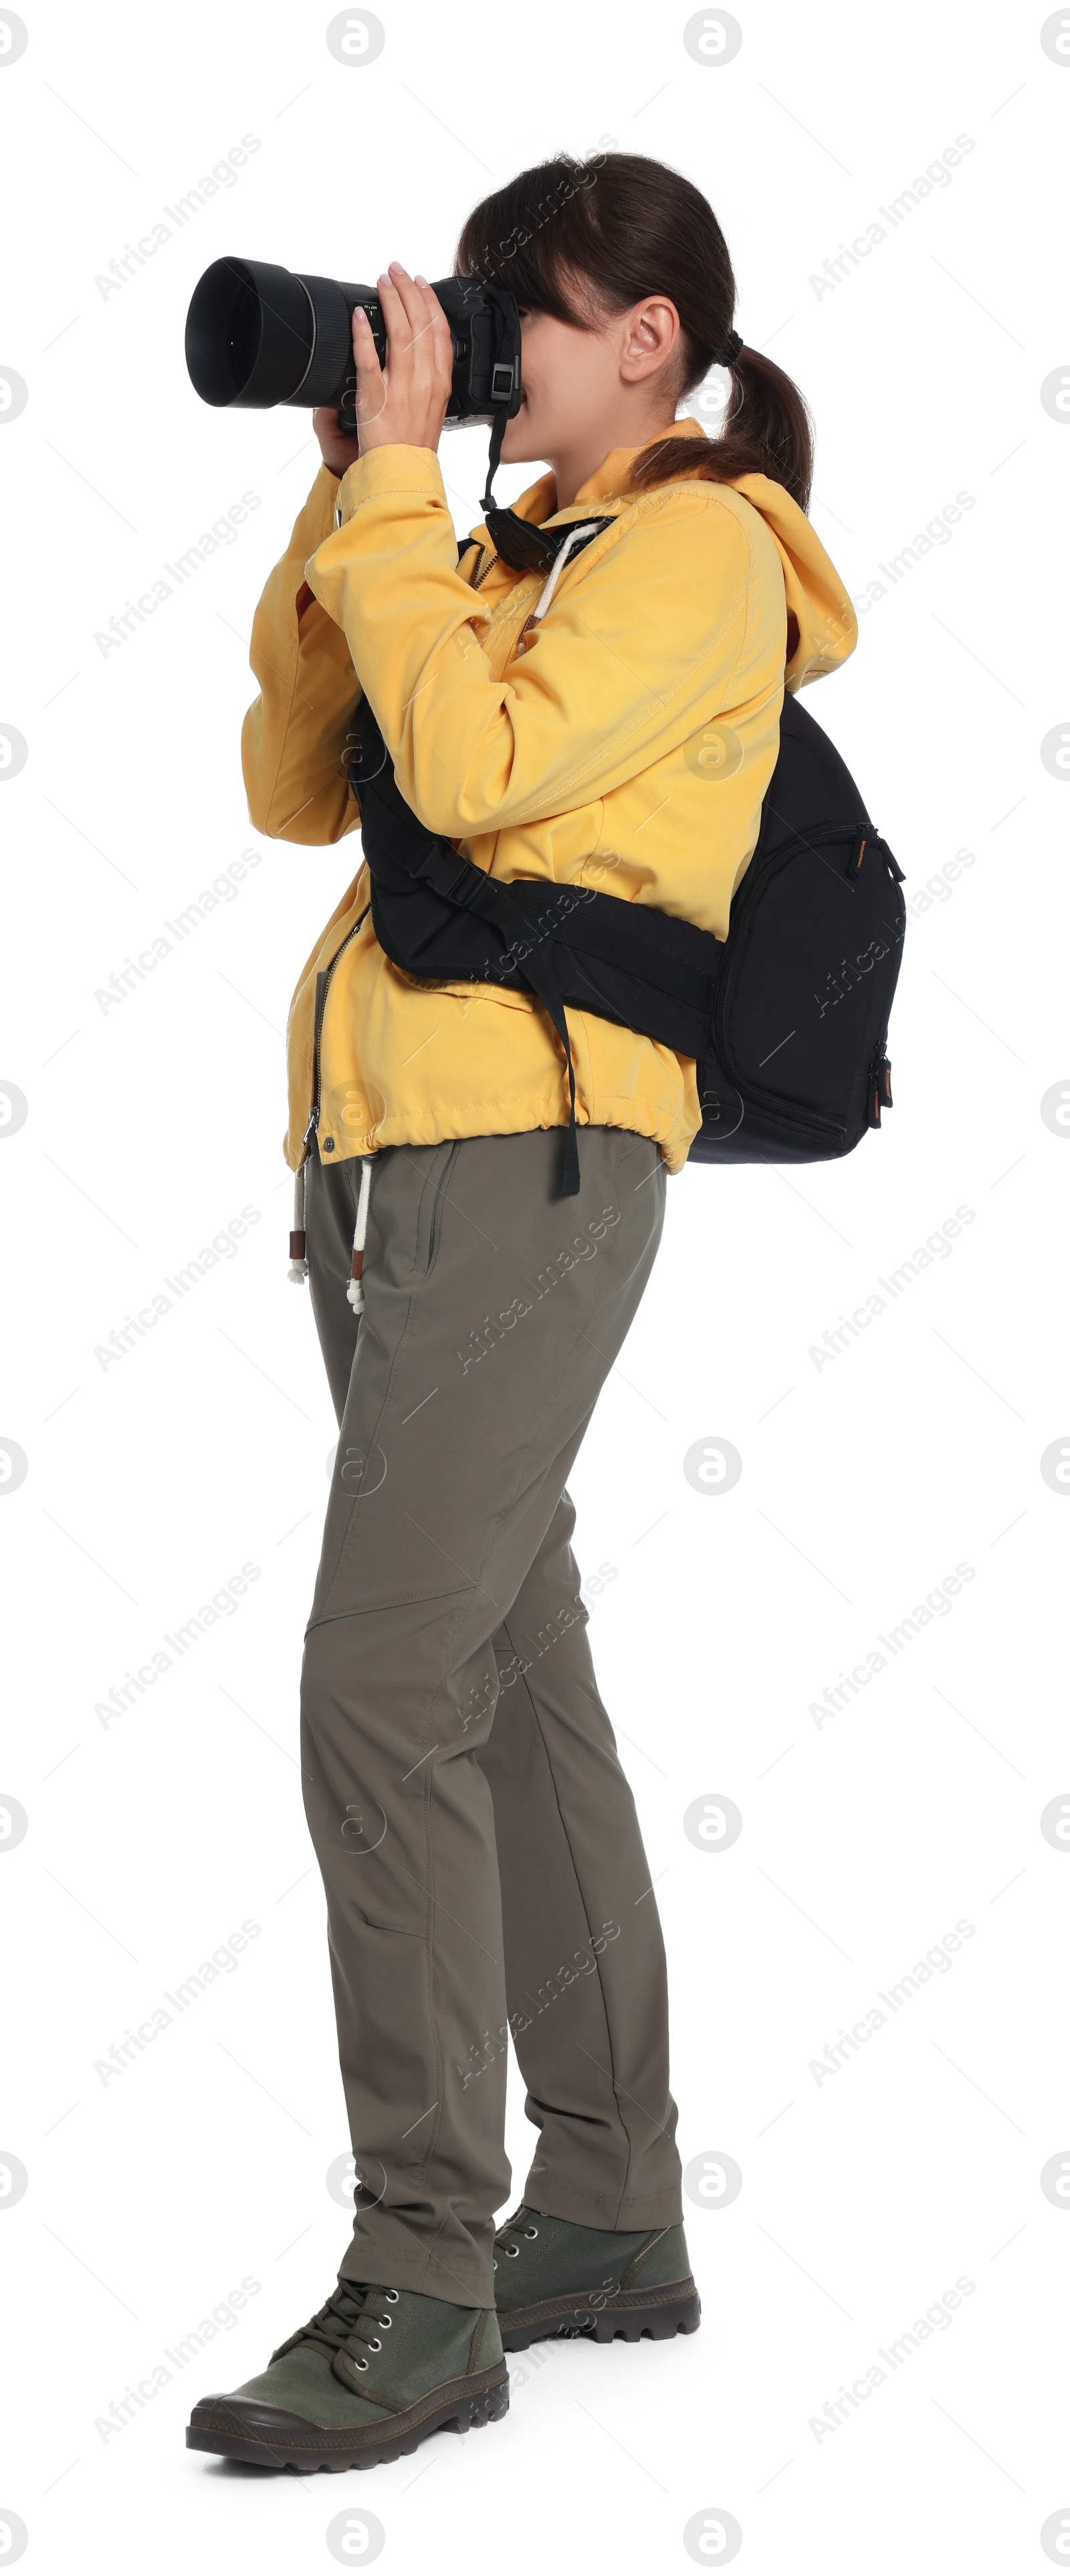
(880, 1088)
(866, 839)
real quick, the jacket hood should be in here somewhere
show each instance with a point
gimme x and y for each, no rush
(825, 628)
(816, 598)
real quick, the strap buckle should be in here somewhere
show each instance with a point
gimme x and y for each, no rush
(453, 877)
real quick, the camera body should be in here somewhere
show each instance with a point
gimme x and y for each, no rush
(258, 335)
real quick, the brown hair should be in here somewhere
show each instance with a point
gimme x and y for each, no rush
(623, 227)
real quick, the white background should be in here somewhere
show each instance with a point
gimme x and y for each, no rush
(865, 1481)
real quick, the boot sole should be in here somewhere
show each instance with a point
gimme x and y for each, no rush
(670, 2309)
(268, 2438)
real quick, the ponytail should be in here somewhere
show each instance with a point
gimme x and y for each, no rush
(766, 430)
(623, 227)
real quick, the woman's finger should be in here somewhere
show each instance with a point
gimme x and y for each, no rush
(441, 334)
(365, 354)
(420, 353)
(371, 383)
(395, 313)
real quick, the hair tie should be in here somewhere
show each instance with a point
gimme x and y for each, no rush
(731, 350)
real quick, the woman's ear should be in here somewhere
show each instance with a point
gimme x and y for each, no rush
(650, 334)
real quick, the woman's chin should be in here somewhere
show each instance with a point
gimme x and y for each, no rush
(520, 445)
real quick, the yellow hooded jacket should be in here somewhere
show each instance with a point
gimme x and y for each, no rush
(643, 708)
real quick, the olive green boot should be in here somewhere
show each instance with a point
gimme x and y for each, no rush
(554, 2278)
(363, 2382)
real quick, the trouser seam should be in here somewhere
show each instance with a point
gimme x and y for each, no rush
(372, 1443)
(429, 1937)
(622, 2194)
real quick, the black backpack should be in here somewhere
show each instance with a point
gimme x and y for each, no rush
(797, 1067)
(786, 1018)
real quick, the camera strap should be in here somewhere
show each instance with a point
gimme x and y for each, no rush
(527, 547)
(494, 453)
(504, 384)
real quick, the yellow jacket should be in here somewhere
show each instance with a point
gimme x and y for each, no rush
(645, 707)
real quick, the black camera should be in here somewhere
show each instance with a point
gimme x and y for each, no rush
(257, 335)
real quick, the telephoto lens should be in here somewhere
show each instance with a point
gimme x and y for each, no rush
(257, 335)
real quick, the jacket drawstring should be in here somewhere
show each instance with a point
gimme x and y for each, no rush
(560, 560)
(298, 1270)
(355, 1290)
(549, 586)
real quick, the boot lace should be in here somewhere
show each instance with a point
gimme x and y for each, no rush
(356, 2313)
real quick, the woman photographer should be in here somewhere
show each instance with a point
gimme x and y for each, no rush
(548, 709)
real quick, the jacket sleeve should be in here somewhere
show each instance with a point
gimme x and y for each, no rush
(293, 736)
(637, 651)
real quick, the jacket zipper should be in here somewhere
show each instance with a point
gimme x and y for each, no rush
(322, 982)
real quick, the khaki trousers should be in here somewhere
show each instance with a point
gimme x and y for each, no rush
(478, 1839)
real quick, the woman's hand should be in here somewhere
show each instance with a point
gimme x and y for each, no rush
(406, 405)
